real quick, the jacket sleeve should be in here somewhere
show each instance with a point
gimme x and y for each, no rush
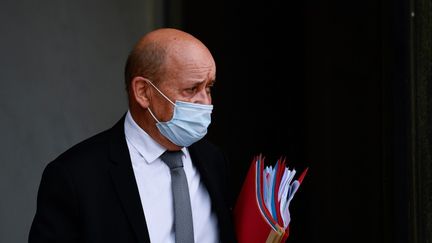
(56, 212)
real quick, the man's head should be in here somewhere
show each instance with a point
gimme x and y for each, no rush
(179, 65)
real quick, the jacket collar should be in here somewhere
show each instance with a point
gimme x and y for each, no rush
(124, 182)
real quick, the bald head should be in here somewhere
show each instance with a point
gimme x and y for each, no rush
(152, 53)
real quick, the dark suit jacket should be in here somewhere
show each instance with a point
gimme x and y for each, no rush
(89, 193)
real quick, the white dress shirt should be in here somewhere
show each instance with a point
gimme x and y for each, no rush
(154, 185)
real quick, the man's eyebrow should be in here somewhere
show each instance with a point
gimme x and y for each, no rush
(210, 82)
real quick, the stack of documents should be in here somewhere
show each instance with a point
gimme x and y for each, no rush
(261, 213)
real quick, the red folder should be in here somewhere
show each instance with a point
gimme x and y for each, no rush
(253, 220)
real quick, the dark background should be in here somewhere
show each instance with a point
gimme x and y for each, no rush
(324, 84)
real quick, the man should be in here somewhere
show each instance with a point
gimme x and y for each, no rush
(118, 186)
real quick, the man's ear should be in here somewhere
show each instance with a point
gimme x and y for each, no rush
(139, 91)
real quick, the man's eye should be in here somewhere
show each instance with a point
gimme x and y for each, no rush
(191, 90)
(208, 89)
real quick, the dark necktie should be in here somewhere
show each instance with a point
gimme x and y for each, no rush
(183, 226)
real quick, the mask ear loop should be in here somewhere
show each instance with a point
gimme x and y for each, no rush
(154, 117)
(160, 92)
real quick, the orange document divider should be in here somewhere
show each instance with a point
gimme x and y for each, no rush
(261, 211)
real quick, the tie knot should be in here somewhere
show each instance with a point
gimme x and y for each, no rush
(172, 159)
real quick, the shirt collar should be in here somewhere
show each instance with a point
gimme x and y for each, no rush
(146, 146)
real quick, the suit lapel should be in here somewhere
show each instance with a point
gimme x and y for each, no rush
(214, 178)
(210, 177)
(125, 183)
(203, 162)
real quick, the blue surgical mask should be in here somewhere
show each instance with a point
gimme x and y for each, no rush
(188, 124)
